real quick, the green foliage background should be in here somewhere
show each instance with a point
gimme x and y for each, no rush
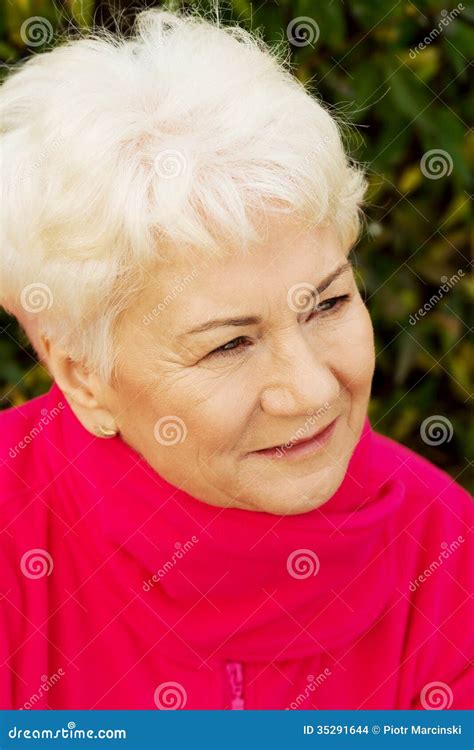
(403, 101)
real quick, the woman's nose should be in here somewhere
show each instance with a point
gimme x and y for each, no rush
(299, 380)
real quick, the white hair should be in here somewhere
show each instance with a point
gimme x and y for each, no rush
(119, 151)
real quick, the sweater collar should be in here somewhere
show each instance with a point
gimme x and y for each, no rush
(238, 584)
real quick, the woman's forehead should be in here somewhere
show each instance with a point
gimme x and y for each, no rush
(187, 292)
(287, 247)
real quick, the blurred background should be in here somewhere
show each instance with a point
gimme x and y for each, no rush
(399, 72)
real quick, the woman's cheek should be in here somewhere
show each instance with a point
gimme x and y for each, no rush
(355, 349)
(220, 423)
(363, 349)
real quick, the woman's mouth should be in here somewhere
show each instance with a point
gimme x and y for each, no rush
(305, 447)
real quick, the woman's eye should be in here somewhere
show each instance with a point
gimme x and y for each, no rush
(329, 305)
(321, 310)
(227, 348)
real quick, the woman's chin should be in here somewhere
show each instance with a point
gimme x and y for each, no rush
(291, 504)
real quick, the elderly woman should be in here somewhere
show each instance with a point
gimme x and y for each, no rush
(199, 514)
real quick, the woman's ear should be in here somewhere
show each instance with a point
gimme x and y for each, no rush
(84, 391)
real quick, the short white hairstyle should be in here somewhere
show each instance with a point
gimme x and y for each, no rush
(117, 152)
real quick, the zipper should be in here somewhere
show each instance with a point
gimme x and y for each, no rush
(235, 676)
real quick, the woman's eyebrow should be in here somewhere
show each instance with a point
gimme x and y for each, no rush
(255, 319)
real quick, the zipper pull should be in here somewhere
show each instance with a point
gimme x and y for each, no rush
(235, 676)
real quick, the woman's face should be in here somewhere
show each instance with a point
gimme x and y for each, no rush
(197, 413)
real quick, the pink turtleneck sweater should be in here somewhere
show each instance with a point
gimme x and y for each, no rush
(120, 591)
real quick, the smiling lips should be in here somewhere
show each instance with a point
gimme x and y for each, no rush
(299, 445)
